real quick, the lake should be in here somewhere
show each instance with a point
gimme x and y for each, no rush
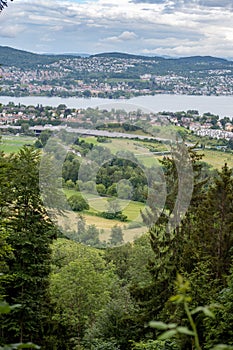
(220, 105)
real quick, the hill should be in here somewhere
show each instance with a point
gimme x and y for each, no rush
(25, 59)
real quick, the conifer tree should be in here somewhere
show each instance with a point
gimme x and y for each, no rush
(214, 226)
(29, 234)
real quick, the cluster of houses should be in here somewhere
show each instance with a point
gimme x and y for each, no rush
(75, 75)
(11, 115)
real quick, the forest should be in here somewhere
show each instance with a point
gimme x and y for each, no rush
(170, 289)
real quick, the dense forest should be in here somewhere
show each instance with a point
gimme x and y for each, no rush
(171, 289)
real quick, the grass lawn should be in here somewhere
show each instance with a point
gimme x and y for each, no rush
(12, 144)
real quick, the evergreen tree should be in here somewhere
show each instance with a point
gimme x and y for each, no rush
(213, 234)
(29, 234)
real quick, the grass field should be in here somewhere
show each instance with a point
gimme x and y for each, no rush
(217, 159)
(138, 148)
(70, 220)
(12, 144)
(98, 204)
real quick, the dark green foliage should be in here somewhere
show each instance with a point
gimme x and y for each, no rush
(29, 233)
(215, 223)
(43, 138)
(114, 216)
(78, 203)
(155, 345)
(105, 299)
(70, 169)
(117, 321)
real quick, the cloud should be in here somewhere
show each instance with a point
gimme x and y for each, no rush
(184, 3)
(169, 27)
(148, 1)
(124, 36)
(11, 32)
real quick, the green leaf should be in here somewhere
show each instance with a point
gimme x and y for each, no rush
(185, 330)
(196, 310)
(223, 347)
(172, 325)
(158, 325)
(208, 313)
(205, 310)
(174, 298)
(169, 334)
(16, 306)
(4, 307)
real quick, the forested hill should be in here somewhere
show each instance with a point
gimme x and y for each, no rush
(24, 59)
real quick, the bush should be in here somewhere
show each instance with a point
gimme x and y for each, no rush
(78, 203)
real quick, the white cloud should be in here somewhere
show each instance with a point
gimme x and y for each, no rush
(169, 27)
(124, 36)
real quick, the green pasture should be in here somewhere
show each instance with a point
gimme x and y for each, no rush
(132, 228)
(217, 159)
(98, 204)
(12, 144)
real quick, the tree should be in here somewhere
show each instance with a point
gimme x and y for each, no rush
(213, 236)
(78, 203)
(220, 330)
(30, 233)
(80, 288)
(116, 235)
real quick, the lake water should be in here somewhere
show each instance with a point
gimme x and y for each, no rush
(220, 105)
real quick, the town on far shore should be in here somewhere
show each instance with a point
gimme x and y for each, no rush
(34, 119)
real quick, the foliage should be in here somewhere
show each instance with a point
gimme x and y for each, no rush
(5, 308)
(155, 345)
(78, 203)
(29, 233)
(220, 330)
(172, 329)
(116, 235)
(80, 287)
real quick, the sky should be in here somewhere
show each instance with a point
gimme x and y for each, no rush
(151, 27)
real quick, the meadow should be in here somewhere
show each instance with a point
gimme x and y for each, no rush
(12, 143)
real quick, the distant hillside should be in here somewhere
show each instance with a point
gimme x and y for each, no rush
(162, 65)
(127, 56)
(191, 59)
(23, 59)
(184, 66)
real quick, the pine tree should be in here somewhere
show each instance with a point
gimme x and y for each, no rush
(29, 234)
(214, 224)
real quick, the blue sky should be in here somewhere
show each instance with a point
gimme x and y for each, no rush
(153, 27)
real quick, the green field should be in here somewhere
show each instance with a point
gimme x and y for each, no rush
(12, 144)
(138, 148)
(98, 204)
(217, 159)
